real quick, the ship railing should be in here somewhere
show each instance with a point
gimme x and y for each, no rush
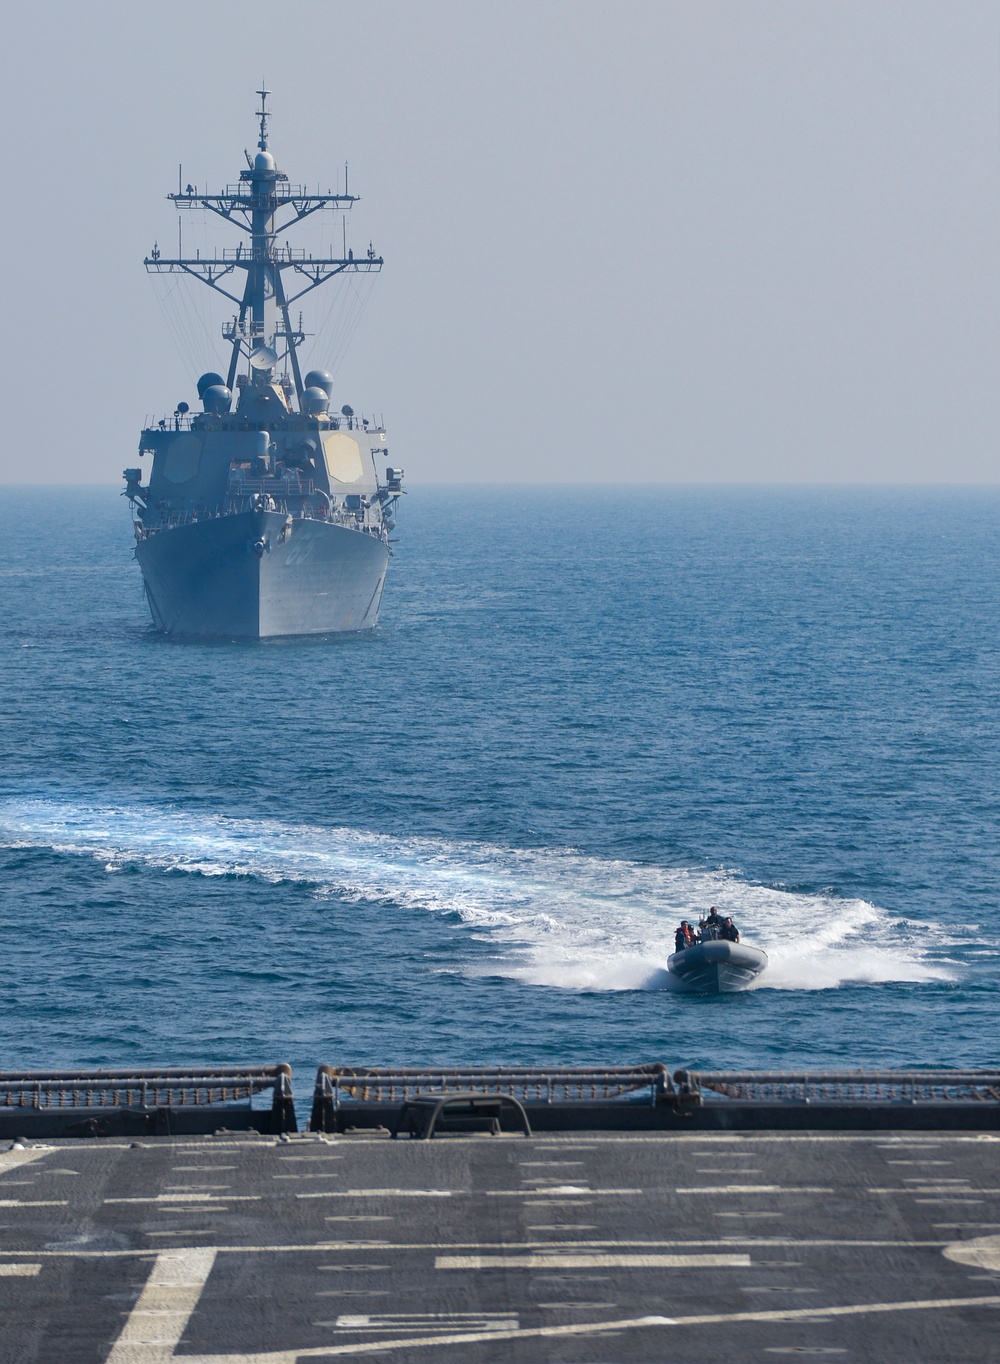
(340, 1087)
(290, 485)
(237, 502)
(853, 1087)
(175, 422)
(186, 517)
(283, 191)
(279, 253)
(166, 1088)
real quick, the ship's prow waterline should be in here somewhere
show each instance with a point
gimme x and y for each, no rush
(312, 578)
(274, 518)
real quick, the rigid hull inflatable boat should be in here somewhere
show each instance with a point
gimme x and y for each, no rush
(717, 966)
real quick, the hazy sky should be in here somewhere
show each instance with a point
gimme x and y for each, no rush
(701, 241)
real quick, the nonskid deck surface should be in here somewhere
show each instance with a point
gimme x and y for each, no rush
(583, 1247)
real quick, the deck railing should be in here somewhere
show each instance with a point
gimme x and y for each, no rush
(171, 1088)
(847, 1086)
(338, 1087)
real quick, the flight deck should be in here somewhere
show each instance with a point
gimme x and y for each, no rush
(498, 1223)
(245, 1249)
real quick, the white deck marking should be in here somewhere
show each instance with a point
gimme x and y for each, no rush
(13, 1158)
(563, 1261)
(962, 1202)
(22, 1271)
(379, 1193)
(413, 1321)
(200, 1209)
(359, 1217)
(541, 1188)
(933, 1181)
(907, 1145)
(403, 1343)
(762, 1188)
(185, 1231)
(189, 1198)
(749, 1214)
(774, 1288)
(311, 1174)
(581, 1329)
(156, 1323)
(213, 1169)
(34, 1202)
(933, 1188)
(855, 1310)
(195, 1188)
(558, 1189)
(383, 1247)
(353, 1293)
(560, 1203)
(575, 1304)
(983, 1252)
(351, 1269)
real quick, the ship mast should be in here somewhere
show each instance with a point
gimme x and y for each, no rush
(264, 206)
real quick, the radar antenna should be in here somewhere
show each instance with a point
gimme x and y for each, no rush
(264, 206)
(263, 114)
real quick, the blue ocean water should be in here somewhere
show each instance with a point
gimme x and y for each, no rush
(468, 836)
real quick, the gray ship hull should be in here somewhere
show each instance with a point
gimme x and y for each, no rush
(717, 967)
(260, 575)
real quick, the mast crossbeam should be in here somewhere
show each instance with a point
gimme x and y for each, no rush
(255, 205)
(293, 194)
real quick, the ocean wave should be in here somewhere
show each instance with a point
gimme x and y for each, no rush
(551, 917)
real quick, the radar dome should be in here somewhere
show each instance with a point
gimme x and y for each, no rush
(217, 398)
(207, 380)
(263, 161)
(315, 400)
(319, 378)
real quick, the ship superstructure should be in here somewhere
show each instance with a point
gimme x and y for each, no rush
(265, 513)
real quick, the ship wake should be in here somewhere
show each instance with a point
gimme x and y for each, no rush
(542, 916)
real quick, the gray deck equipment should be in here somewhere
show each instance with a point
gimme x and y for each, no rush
(164, 1102)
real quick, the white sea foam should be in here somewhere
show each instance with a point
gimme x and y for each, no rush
(551, 916)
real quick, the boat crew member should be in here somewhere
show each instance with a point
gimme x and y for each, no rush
(714, 922)
(683, 938)
(729, 931)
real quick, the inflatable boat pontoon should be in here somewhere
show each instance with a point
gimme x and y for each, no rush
(717, 966)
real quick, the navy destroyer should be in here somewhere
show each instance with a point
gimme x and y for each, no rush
(269, 515)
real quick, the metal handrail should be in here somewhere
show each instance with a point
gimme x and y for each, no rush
(342, 1085)
(166, 1087)
(847, 1086)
